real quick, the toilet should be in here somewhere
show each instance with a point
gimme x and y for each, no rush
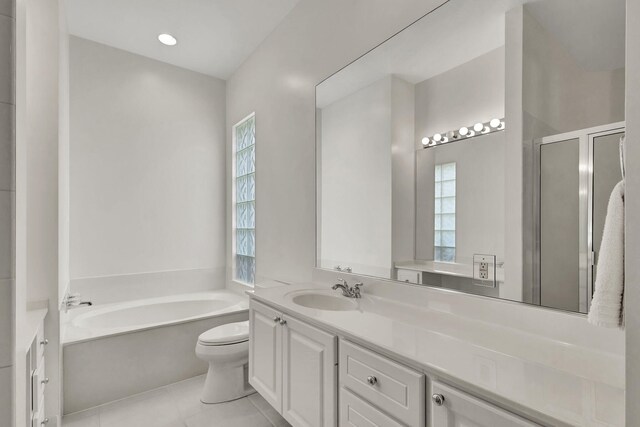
(226, 349)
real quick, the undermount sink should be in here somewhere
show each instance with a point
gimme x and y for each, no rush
(324, 301)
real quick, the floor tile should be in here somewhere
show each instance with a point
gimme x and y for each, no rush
(178, 405)
(88, 418)
(239, 413)
(268, 411)
(155, 408)
(186, 395)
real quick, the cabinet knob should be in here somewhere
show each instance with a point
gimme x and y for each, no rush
(438, 399)
(45, 421)
(276, 319)
(44, 342)
(283, 322)
(372, 380)
(45, 381)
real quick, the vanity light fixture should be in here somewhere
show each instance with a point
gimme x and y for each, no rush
(167, 39)
(480, 128)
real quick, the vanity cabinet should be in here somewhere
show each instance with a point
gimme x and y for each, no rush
(293, 365)
(390, 387)
(454, 408)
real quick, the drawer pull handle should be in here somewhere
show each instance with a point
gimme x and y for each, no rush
(276, 319)
(283, 322)
(44, 342)
(372, 380)
(45, 421)
(45, 381)
(438, 399)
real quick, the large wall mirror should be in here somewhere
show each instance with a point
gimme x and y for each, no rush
(476, 150)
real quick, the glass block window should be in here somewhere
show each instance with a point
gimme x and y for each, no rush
(444, 235)
(244, 200)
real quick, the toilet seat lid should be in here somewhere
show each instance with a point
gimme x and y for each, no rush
(229, 333)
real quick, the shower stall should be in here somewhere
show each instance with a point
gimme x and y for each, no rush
(574, 174)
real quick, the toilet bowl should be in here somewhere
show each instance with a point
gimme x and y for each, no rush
(226, 349)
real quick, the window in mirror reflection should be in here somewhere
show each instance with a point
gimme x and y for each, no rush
(445, 212)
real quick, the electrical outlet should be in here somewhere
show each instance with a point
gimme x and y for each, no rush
(484, 270)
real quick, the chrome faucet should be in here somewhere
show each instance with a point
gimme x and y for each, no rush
(73, 301)
(348, 291)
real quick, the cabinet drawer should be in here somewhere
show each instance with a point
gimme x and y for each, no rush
(410, 276)
(394, 388)
(457, 409)
(358, 413)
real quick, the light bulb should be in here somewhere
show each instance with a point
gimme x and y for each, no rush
(494, 123)
(437, 137)
(463, 131)
(478, 127)
(425, 141)
(451, 135)
(167, 39)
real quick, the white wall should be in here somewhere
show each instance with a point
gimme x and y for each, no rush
(355, 166)
(147, 165)
(559, 93)
(480, 199)
(278, 82)
(632, 212)
(462, 96)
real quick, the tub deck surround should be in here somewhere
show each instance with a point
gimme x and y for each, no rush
(554, 382)
(87, 323)
(112, 351)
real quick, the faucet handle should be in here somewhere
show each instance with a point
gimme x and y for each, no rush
(356, 289)
(341, 280)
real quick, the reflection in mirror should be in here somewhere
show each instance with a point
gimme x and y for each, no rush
(479, 159)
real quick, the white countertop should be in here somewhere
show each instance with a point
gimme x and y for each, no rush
(554, 382)
(457, 269)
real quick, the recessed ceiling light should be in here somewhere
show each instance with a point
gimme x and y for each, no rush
(167, 39)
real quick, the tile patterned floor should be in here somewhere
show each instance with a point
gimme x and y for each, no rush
(178, 405)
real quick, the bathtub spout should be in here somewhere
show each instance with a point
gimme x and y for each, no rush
(73, 301)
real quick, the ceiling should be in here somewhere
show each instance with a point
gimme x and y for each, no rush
(214, 36)
(592, 31)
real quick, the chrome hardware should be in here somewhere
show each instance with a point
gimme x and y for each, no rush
(73, 301)
(348, 291)
(337, 268)
(347, 269)
(438, 399)
(44, 342)
(283, 322)
(372, 380)
(45, 381)
(45, 421)
(276, 319)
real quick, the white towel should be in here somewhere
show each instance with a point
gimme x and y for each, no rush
(607, 306)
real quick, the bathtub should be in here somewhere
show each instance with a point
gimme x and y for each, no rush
(112, 351)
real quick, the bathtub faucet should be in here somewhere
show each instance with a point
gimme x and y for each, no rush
(73, 301)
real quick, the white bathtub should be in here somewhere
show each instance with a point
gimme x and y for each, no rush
(112, 351)
(87, 323)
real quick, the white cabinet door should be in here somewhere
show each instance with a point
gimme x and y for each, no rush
(265, 353)
(457, 409)
(309, 375)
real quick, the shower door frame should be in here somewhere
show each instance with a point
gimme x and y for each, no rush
(587, 254)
